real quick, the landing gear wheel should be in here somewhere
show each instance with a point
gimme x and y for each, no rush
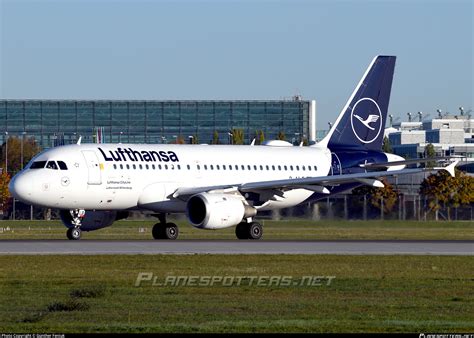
(74, 234)
(241, 231)
(255, 230)
(165, 231)
(251, 230)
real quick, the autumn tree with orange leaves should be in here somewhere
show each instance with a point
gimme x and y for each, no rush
(446, 191)
(4, 192)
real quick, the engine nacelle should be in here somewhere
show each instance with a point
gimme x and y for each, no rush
(217, 211)
(93, 220)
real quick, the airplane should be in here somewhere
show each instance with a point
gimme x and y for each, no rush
(217, 186)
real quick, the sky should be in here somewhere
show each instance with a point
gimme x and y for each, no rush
(226, 50)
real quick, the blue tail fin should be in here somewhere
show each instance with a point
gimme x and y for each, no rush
(361, 123)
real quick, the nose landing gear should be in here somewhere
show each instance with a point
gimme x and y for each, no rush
(74, 233)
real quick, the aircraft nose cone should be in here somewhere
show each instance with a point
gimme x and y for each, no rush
(20, 188)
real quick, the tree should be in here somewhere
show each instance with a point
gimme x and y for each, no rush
(30, 149)
(375, 195)
(237, 136)
(259, 137)
(281, 136)
(430, 152)
(443, 190)
(195, 139)
(387, 146)
(215, 138)
(4, 192)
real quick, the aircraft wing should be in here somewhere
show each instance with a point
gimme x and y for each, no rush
(311, 183)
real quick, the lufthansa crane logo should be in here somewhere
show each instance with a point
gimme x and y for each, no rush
(366, 120)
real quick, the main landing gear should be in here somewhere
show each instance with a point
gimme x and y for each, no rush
(74, 233)
(249, 230)
(165, 230)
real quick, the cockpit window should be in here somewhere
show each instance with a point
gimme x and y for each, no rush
(38, 165)
(52, 165)
(62, 165)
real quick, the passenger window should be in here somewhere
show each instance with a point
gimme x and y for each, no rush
(38, 165)
(128, 166)
(286, 168)
(199, 167)
(297, 168)
(279, 167)
(261, 167)
(121, 166)
(291, 167)
(236, 167)
(140, 166)
(159, 166)
(153, 166)
(62, 165)
(115, 166)
(146, 166)
(189, 167)
(304, 168)
(315, 168)
(254, 167)
(268, 168)
(230, 167)
(217, 166)
(51, 165)
(223, 167)
(166, 166)
(179, 167)
(243, 167)
(205, 166)
(309, 168)
(212, 167)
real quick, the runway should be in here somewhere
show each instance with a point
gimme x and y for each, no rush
(234, 247)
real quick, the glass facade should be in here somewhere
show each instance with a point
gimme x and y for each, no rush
(61, 122)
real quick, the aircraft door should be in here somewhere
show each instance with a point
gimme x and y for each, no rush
(93, 167)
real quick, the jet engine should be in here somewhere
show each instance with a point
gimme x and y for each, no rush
(93, 220)
(217, 211)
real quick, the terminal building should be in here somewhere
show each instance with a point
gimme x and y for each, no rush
(57, 122)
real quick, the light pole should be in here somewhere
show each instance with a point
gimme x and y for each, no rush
(120, 137)
(21, 152)
(461, 109)
(191, 138)
(6, 152)
(231, 137)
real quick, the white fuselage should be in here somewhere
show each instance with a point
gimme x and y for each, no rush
(132, 176)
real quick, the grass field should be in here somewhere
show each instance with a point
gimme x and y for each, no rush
(289, 229)
(368, 293)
